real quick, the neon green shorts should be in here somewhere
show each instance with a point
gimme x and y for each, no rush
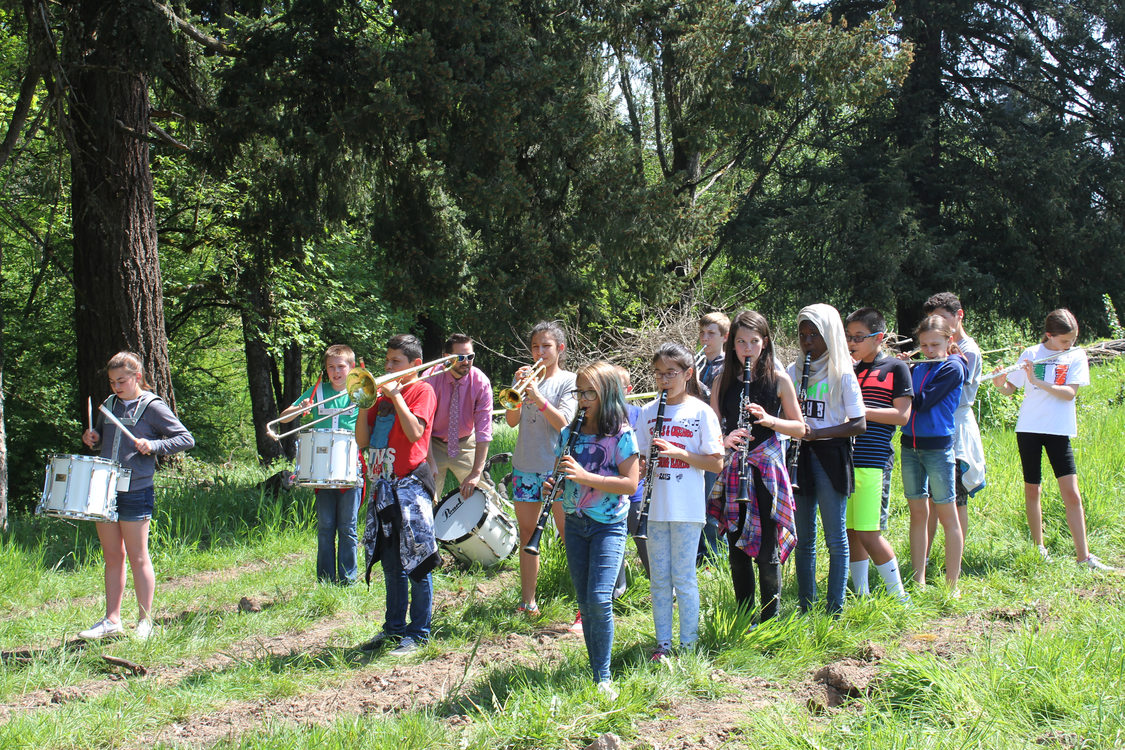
(867, 500)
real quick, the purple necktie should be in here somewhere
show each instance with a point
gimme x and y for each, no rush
(452, 438)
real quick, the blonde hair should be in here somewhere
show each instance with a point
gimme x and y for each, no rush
(340, 350)
(130, 363)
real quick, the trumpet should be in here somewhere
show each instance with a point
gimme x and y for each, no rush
(361, 390)
(511, 398)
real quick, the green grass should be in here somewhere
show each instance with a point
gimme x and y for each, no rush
(1032, 654)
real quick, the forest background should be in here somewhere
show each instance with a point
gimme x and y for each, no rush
(227, 187)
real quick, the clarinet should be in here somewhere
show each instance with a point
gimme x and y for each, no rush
(557, 481)
(795, 444)
(653, 459)
(744, 474)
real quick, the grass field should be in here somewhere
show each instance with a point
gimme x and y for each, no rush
(1031, 656)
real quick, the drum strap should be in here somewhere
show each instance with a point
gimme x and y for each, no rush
(146, 398)
(336, 413)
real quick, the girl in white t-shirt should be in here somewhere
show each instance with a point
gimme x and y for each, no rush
(689, 443)
(1048, 421)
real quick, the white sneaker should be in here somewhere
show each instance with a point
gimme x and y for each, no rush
(144, 630)
(102, 629)
(606, 688)
(1094, 563)
(405, 647)
(1044, 553)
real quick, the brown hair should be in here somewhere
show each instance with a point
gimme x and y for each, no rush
(1058, 322)
(130, 363)
(679, 354)
(764, 369)
(340, 350)
(605, 379)
(716, 319)
(934, 323)
(455, 339)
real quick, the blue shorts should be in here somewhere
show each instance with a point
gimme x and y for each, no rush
(136, 505)
(527, 486)
(935, 467)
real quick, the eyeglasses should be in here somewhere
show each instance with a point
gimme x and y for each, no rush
(860, 339)
(670, 375)
(585, 395)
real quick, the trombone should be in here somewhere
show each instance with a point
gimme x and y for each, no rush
(511, 398)
(363, 390)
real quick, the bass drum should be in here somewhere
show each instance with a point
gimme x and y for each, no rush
(474, 529)
(327, 458)
(83, 488)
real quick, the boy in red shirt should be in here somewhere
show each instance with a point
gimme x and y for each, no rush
(400, 522)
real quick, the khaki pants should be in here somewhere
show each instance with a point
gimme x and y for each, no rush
(461, 465)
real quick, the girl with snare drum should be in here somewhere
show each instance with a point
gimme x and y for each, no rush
(158, 433)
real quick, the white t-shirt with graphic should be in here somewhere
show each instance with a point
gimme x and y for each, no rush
(1041, 412)
(819, 411)
(677, 488)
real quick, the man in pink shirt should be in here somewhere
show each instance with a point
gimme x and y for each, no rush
(463, 420)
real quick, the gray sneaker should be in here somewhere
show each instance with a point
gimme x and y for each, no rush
(1094, 563)
(406, 647)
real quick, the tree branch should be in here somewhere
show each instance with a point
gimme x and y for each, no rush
(194, 33)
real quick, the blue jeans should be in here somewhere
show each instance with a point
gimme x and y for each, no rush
(337, 511)
(405, 593)
(673, 568)
(929, 472)
(833, 510)
(593, 553)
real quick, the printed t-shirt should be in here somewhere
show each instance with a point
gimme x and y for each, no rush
(819, 411)
(1041, 412)
(677, 489)
(342, 410)
(394, 456)
(537, 439)
(880, 382)
(600, 455)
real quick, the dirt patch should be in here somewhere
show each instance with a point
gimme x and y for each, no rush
(401, 687)
(688, 725)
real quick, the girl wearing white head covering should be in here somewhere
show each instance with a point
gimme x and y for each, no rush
(833, 408)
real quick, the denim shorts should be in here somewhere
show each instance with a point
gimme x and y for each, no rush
(136, 505)
(929, 472)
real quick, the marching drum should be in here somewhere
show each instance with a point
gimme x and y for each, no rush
(474, 529)
(327, 458)
(83, 487)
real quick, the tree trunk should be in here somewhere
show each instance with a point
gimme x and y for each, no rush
(259, 363)
(3, 431)
(292, 387)
(119, 302)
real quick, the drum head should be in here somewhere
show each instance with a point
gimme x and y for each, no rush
(456, 518)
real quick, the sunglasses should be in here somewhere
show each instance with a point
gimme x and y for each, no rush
(464, 357)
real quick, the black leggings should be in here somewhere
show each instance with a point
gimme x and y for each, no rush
(768, 561)
(1059, 453)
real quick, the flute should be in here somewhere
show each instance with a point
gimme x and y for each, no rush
(653, 460)
(1041, 360)
(557, 481)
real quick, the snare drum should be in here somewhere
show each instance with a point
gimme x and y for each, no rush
(474, 529)
(83, 487)
(327, 458)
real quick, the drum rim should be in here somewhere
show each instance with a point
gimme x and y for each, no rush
(80, 457)
(472, 531)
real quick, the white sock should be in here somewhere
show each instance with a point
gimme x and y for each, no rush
(859, 577)
(892, 579)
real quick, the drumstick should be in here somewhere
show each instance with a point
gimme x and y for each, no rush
(90, 412)
(116, 421)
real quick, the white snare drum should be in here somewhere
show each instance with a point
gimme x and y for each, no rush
(82, 487)
(474, 529)
(327, 458)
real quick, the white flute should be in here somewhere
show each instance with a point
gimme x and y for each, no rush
(124, 430)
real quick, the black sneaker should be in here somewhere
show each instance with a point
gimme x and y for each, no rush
(383, 638)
